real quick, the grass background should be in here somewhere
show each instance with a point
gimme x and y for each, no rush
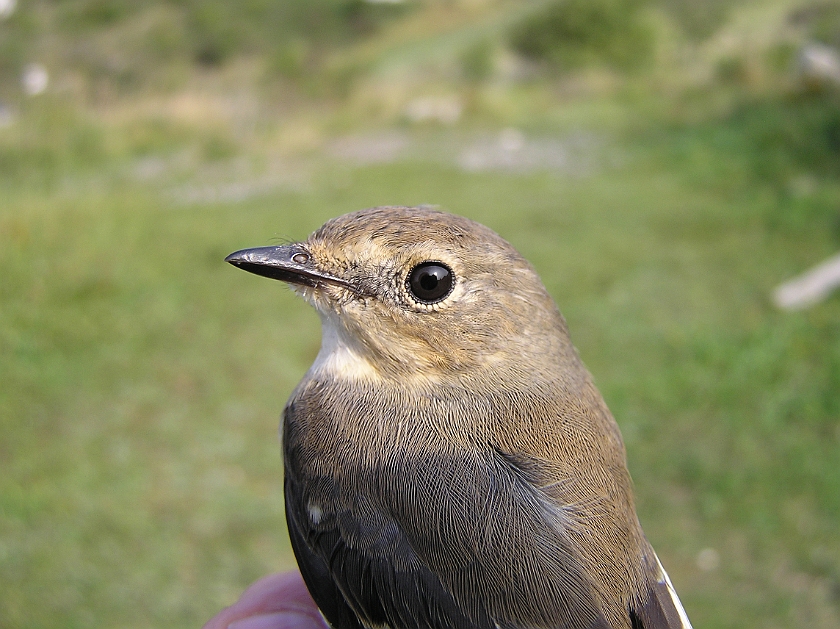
(141, 378)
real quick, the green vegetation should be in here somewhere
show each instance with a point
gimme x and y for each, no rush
(821, 19)
(142, 378)
(570, 34)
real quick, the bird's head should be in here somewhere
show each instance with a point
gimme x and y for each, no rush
(417, 293)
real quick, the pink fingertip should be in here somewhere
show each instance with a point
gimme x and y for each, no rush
(278, 620)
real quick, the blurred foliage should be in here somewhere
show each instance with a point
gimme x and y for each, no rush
(570, 34)
(215, 29)
(126, 42)
(821, 21)
(54, 141)
(780, 137)
(17, 33)
(477, 61)
(699, 18)
(789, 145)
(791, 134)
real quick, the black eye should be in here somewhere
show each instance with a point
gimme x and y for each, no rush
(429, 282)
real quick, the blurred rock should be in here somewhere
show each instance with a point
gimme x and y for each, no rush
(149, 168)
(7, 7)
(445, 109)
(511, 139)
(34, 79)
(377, 148)
(511, 151)
(818, 66)
(809, 288)
(235, 181)
(708, 560)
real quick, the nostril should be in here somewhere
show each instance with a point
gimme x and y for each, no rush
(300, 258)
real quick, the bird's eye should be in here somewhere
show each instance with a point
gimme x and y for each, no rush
(429, 282)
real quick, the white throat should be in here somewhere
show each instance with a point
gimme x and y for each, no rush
(337, 356)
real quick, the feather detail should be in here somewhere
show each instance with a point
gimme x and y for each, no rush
(661, 607)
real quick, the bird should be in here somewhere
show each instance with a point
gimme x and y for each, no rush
(448, 459)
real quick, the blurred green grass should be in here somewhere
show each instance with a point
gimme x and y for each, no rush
(142, 378)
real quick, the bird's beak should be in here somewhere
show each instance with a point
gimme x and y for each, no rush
(287, 263)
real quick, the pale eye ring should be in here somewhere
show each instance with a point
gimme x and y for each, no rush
(430, 282)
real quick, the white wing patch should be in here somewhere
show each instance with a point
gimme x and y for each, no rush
(315, 513)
